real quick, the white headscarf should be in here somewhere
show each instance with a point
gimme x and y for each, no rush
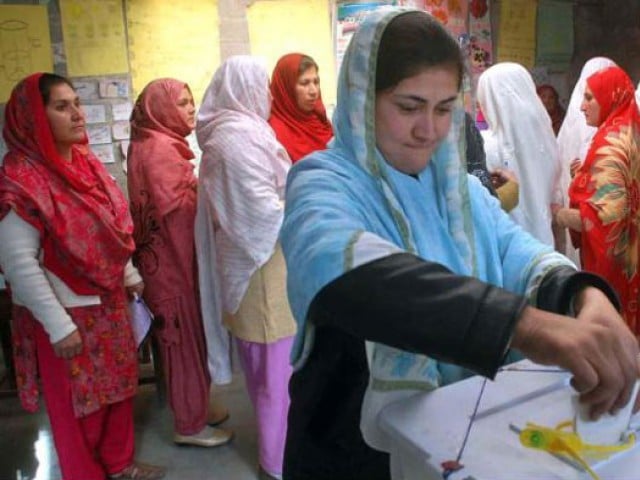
(523, 142)
(243, 172)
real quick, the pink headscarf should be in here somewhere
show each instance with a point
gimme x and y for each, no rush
(159, 155)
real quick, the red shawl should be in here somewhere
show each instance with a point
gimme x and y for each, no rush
(80, 212)
(606, 191)
(162, 191)
(299, 132)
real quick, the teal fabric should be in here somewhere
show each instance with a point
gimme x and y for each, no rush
(348, 199)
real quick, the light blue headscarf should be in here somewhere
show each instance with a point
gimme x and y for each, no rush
(346, 206)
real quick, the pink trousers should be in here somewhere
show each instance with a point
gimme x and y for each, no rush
(90, 447)
(267, 370)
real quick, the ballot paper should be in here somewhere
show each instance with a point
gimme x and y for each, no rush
(141, 318)
(606, 430)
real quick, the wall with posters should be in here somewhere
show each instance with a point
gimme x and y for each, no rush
(600, 28)
(111, 48)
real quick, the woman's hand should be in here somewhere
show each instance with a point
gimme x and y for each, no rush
(597, 348)
(559, 236)
(566, 217)
(500, 176)
(593, 306)
(574, 166)
(69, 346)
(135, 290)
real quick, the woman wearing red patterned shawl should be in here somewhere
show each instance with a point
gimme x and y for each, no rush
(603, 217)
(162, 193)
(298, 116)
(65, 247)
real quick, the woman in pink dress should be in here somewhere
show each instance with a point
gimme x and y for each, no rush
(162, 194)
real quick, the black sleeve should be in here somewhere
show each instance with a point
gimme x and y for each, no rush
(422, 307)
(561, 284)
(475, 156)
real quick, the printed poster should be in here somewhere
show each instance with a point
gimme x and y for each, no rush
(349, 16)
(94, 37)
(517, 32)
(25, 45)
(555, 40)
(451, 13)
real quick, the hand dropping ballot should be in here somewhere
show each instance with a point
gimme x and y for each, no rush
(553, 439)
(608, 429)
(141, 318)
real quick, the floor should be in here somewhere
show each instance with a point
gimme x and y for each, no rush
(27, 452)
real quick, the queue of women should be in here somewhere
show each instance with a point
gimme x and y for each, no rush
(302, 264)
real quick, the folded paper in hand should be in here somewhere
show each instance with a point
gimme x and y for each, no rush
(141, 318)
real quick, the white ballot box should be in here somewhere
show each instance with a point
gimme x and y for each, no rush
(428, 429)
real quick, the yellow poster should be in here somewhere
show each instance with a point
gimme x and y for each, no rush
(173, 39)
(94, 37)
(25, 45)
(278, 27)
(517, 32)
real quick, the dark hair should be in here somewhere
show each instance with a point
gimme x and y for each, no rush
(412, 42)
(49, 80)
(306, 62)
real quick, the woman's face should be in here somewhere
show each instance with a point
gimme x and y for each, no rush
(413, 117)
(308, 89)
(548, 99)
(187, 108)
(65, 116)
(591, 108)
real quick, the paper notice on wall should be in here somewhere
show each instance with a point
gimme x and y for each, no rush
(95, 113)
(517, 32)
(104, 153)
(121, 111)
(86, 90)
(25, 46)
(452, 13)
(120, 130)
(349, 16)
(98, 134)
(94, 37)
(114, 88)
(554, 34)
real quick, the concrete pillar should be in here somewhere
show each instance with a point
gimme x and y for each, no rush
(234, 29)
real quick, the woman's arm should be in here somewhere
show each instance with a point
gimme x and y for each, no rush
(132, 280)
(568, 218)
(19, 250)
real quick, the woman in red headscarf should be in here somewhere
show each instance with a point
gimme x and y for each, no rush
(162, 192)
(551, 101)
(603, 217)
(298, 116)
(65, 247)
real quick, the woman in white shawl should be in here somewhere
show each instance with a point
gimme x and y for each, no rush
(242, 178)
(520, 138)
(575, 136)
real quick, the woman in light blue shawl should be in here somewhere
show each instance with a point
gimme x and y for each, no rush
(389, 241)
